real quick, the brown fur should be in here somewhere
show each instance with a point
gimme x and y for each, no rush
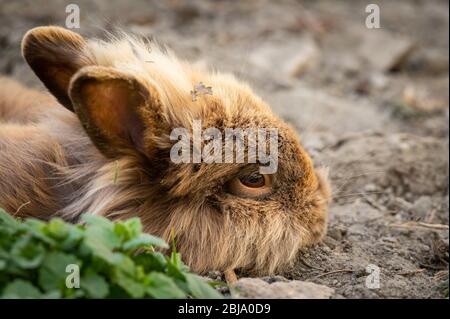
(107, 153)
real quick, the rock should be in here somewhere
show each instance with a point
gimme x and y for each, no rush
(215, 275)
(314, 142)
(295, 289)
(405, 163)
(291, 59)
(272, 279)
(305, 60)
(370, 188)
(424, 100)
(376, 81)
(347, 63)
(313, 112)
(330, 242)
(384, 51)
(428, 61)
(398, 203)
(142, 19)
(335, 233)
(379, 81)
(422, 206)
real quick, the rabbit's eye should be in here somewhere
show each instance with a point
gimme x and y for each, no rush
(252, 185)
(253, 180)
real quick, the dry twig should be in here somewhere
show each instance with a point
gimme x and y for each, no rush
(412, 272)
(20, 207)
(333, 272)
(413, 224)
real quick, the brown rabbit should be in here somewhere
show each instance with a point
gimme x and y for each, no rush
(107, 152)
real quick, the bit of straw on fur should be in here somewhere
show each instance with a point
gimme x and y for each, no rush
(200, 89)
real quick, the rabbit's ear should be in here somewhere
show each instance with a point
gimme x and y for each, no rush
(55, 55)
(115, 109)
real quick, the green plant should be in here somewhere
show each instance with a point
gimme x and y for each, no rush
(114, 260)
(443, 287)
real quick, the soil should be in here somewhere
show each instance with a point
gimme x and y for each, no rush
(371, 104)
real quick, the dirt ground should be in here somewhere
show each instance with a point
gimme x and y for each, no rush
(371, 104)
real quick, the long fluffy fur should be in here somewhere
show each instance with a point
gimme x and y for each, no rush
(50, 167)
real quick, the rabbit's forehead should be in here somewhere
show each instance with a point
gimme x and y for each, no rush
(188, 93)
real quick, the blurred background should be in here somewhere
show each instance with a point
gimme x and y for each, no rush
(371, 104)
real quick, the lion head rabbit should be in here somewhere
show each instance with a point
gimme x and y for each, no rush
(123, 97)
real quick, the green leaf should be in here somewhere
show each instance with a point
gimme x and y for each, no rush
(174, 271)
(101, 241)
(54, 294)
(73, 238)
(113, 259)
(52, 274)
(132, 287)
(20, 289)
(161, 286)
(200, 289)
(121, 231)
(7, 220)
(154, 261)
(95, 285)
(38, 229)
(95, 220)
(134, 227)
(144, 241)
(124, 263)
(27, 254)
(172, 236)
(57, 229)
